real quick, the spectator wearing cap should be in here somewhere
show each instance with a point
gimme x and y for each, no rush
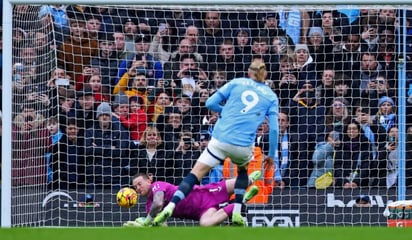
(386, 115)
(142, 60)
(271, 26)
(77, 51)
(130, 30)
(304, 65)
(120, 106)
(323, 157)
(107, 150)
(106, 61)
(84, 109)
(320, 48)
(307, 118)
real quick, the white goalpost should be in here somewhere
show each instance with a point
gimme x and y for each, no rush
(62, 165)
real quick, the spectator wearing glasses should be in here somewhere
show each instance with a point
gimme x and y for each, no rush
(338, 115)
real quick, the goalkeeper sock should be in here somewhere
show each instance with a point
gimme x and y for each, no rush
(185, 188)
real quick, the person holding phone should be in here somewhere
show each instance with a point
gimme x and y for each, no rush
(391, 157)
(164, 42)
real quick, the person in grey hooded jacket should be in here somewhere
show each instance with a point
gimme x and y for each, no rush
(323, 157)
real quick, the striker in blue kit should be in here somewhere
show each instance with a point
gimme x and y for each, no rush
(247, 103)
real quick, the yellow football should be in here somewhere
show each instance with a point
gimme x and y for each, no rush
(126, 197)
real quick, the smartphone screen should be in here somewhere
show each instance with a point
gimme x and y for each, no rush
(162, 27)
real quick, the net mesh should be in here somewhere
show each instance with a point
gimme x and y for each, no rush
(101, 93)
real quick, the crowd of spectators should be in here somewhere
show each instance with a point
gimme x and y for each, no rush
(100, 94)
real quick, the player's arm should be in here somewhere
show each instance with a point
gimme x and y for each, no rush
(214, 102)
(273, 134)
(157, 205)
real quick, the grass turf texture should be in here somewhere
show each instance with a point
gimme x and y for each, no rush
(216, 233)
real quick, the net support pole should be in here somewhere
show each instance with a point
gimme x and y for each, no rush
(6, 115)
(402, 108)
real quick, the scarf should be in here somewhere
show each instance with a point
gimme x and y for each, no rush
(371, 137)
(387, 121)
(282, 162)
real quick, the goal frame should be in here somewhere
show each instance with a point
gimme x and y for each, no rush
(7, 74)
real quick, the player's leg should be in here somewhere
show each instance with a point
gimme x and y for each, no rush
(206, 161)
(199, 170)
(214, 217)
(240, 188)
(230, 183)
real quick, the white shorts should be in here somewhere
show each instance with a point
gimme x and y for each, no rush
(216, 152)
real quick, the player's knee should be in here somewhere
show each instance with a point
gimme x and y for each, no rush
(206, 222)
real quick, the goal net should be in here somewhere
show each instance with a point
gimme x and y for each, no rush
(101, 93)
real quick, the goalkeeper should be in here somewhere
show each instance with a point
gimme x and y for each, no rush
(202, 204)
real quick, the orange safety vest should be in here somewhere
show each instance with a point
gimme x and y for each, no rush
(265, 184)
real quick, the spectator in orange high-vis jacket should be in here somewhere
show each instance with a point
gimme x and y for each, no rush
(265, 183)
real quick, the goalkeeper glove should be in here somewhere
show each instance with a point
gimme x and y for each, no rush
(144, 222)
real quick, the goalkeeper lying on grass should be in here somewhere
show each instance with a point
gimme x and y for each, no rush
(202, 204)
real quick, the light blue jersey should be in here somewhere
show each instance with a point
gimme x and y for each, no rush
(246, 104)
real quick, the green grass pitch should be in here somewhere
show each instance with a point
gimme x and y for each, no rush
(215, 233)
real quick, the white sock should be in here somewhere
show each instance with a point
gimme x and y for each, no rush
(237, 208)
(171, 205)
